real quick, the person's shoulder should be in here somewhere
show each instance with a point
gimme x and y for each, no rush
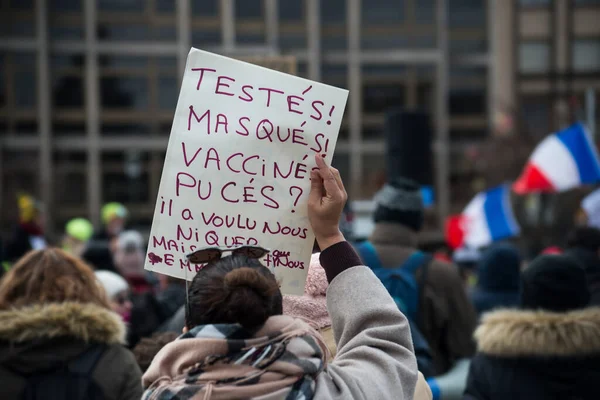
(444, 269)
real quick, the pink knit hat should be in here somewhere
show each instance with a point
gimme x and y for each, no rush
(313, 304)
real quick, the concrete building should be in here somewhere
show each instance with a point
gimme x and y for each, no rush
(88, 87)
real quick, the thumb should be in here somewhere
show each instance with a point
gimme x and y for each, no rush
(316, 188)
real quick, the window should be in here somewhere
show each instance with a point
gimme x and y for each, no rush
(383, 12)
(2, 81)
(25, 80)
(205, 8)
(586, 55)
(137, 93)
(468, 101)
(534, 57)
(250, 22)
(587, 2)
(333, 11)
(65, 5)
(379, 97)
(292, 27)
(70, 178)
(535, 3)
(291, 10)
(466, 13)
(130, 20)
(67, 74)
(125, 177)
(425, 11)
(333, 17)
(66, 19)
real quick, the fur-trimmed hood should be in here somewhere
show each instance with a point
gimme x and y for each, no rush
(86, 322)
(523, 333)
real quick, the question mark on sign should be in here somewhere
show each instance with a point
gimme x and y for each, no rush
(299, 190)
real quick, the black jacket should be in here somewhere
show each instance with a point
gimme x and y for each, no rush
(590, 261)
(530, 355)
(36, 338)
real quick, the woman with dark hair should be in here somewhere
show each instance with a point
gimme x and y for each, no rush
(59, 338)
(238, 345)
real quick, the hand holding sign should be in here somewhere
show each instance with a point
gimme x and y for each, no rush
(326, 203)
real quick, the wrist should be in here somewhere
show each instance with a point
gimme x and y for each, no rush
(326, 241)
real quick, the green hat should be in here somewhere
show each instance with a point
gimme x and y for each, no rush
(113, 210)
(80, 229)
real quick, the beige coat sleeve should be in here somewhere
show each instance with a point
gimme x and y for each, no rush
(375, 358)
(422, 390)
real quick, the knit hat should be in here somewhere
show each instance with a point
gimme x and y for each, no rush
(313, 304)
(112, 283)
(499, 268)
(130, 241)
(554, 283)
(400, 201)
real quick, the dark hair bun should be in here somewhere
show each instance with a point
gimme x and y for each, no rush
(249, 296)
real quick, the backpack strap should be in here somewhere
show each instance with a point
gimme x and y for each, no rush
(369, 256)
(86, 362)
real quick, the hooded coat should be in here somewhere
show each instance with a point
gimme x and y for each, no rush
(498, 279)
(39, 337)
(529, 355)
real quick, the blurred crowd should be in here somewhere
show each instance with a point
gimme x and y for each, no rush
(83, 319)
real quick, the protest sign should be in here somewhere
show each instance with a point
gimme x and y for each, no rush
(238, 162)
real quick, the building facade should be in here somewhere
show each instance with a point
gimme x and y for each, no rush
(88, 87)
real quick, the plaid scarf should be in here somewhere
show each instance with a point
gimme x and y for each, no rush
(279, 361)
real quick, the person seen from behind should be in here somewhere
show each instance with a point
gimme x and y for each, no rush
(78, 232)
(583, 244)
(59, 338)
(443, 313)
(100, 249)
(499, 274)
(117, 290)
(29, 233)
(547, 349)
(238, 345)
(147, 313)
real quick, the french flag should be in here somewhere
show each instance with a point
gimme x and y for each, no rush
(487, 218)
(562, 161)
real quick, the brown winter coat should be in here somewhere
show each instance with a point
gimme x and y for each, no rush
(38, 337)
(448, 316)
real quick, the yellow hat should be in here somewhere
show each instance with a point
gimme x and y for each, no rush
(28, 207)
(80, 229)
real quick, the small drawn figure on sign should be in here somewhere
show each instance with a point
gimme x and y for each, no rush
(154, 259)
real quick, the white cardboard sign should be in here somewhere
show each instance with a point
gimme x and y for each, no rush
(237, 168)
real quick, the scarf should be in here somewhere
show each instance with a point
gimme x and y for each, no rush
(312, 306)
(279, 361)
